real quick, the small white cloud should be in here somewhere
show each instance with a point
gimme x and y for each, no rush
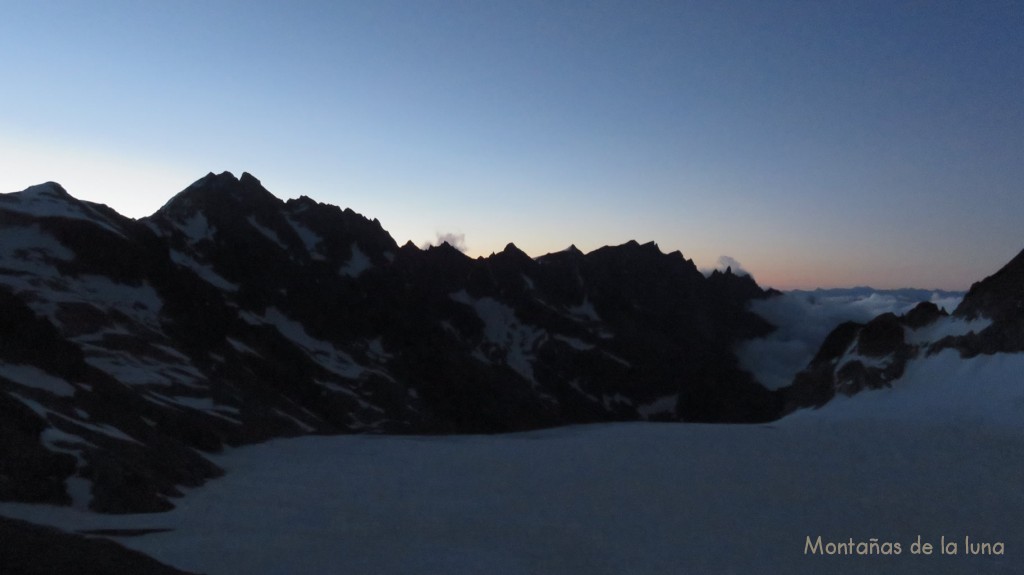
(455, 240)
(947, 303)
(726, 262)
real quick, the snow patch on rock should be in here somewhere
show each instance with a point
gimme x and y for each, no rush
(505, 337)
(357, 264)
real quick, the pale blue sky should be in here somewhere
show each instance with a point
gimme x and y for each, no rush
(818, 143)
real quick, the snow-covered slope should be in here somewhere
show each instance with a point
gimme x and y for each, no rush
(935, 457)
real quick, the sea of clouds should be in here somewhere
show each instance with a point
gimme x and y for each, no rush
(804, 318)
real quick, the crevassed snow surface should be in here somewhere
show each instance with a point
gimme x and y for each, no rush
(940, 454)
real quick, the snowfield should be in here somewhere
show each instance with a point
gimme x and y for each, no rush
(939, 455)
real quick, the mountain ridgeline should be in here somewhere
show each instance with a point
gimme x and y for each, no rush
(129, 348)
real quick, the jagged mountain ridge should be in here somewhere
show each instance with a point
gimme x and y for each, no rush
(128, 348)
(859, 356)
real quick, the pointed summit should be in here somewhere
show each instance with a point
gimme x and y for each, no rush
(248, 179)
(221, 191)
(224, 176)
(512, 259)
(513, 251)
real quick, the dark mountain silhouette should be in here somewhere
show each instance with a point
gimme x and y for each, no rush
(129, 349)
(31, 549)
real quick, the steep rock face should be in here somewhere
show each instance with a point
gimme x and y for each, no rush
(1000, 298)
(130, 348)
(854, 357)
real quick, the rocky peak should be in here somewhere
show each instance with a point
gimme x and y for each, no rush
(633, 257)
(219, 195)
(730, 287)
(923, 314)
(572, 250)
(513, 255)
(569, 256)
(250, 217)
(999, 296)
(881, 336)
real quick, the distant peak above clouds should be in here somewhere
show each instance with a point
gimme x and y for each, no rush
(453, 239)
(804, 318)
(726, 264)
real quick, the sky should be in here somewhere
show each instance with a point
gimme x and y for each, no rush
(821, 144)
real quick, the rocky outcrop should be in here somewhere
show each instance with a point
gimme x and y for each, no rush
(999, 297)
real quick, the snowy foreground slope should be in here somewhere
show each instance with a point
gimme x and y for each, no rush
(940, 454)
